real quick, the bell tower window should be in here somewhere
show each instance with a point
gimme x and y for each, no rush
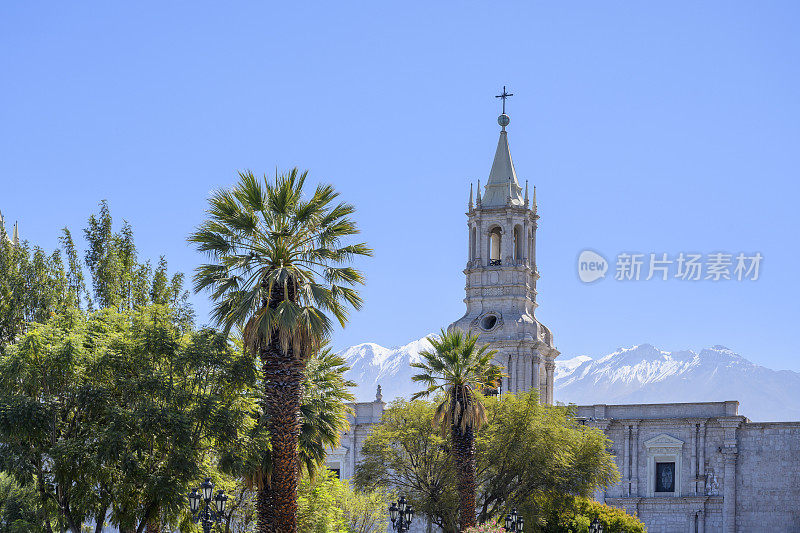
(518, 242)
(494, 246)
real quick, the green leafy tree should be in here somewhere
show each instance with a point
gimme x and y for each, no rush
(19, 506)
(459, 370)
(33, 287)
(278, 269)
(327, 504)
(403, 454)
(526, 453)
(118, 279)
(114, 414)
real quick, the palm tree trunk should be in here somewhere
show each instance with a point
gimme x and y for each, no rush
(464, 455)
(283, 379)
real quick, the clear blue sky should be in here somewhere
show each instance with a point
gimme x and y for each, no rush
(651, 128)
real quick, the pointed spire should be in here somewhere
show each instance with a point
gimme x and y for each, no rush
(526, 193)
(534, 198)
(15, 238)
(502, 176)
(478, 201)
(470, 196)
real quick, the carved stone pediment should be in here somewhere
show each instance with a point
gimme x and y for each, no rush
(663, 441)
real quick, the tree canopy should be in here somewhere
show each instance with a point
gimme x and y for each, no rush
(526, 452)
(112, 413)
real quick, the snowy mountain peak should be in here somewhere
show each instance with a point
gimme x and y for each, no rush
(639, 374)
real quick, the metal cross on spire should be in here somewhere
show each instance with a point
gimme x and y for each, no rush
(504, 96)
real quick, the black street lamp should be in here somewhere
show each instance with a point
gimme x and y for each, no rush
(514, 522)
(401, 514)
(596, 526)
(207, 516)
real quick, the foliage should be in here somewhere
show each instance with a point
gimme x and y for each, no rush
(278, 268)
(118, 279)
(575, 514)
(327, 504)
(112, 413)
(491, 526)
(524, 452)
(527, 449)
(18, 506)
(33, 287)
(460, 370)
(403, 454)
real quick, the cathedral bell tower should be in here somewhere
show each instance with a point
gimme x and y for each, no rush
(501, 276)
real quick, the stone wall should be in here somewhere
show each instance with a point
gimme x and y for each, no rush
(768, 477)
(730, 475)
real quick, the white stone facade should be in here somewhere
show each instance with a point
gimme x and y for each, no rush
(343, 459)
(731, 475)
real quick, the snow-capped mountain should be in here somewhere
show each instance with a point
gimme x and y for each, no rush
(372, 365)
(641, 374)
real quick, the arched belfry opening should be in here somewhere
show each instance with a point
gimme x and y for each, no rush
(495, 241)
(518, 242)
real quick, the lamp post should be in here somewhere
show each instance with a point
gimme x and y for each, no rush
(208, 515)
(401, 514)
(596, 526)
(514, 522)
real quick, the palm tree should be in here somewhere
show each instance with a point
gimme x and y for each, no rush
(278, 268)
(323, 415)
(460, 370)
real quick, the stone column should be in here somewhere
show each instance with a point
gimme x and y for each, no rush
(626, 462)
(478, 243)
(693, 473)
(507, 243)
(550, 367)
(729, 494)
(635, 476)
(469, 245)
(701, 466)
(730, 451)
(526, 374)
(536, 372)
(525, 246)
(509, 362)
(701, 521)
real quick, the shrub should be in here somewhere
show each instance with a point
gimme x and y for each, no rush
(574, 515)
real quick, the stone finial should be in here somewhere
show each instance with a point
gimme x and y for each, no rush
(378, 395)
(470, 195)
(526, 193)
(478, 200)
(508, 198)
(534, 198)
(15, 237)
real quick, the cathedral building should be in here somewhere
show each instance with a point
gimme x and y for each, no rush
(501, 277)
(684, 467)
